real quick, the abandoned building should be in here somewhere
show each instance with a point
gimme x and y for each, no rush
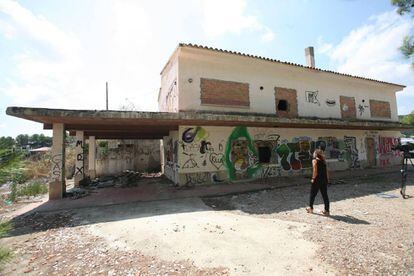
(226, 116)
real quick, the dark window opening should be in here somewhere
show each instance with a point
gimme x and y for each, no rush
(264, 154)
(261, 87)
(282, 105)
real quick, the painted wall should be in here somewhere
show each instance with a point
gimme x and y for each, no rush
(170, 146)
(200, 63)
(136, 155)
(206, 155)
(168, 94)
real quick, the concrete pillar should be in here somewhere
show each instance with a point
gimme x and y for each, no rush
(79, 162)
(57, 187)
(92, 157)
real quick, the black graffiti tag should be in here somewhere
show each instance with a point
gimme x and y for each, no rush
(216, 160)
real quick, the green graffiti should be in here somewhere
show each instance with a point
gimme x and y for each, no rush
(241, 156)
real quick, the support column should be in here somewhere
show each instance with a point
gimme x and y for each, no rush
(79, 162)
(57, 187)
(92, 157)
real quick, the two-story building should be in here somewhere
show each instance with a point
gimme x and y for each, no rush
(317, 108)
(227, 116)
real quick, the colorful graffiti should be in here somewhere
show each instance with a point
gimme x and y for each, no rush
(241, 156)
(386, 155)
(197, 133)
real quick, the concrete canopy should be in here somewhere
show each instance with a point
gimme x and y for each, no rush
(110, 124)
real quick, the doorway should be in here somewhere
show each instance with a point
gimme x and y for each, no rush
(371, 153)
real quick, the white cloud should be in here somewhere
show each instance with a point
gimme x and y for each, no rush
(323, 47)
(222, 17)
(372, 51)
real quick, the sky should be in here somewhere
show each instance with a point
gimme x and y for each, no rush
(59, 54)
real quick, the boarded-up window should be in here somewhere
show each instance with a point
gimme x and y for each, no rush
(228, 93)
(286, 102)
(348, 109)
(380, 109)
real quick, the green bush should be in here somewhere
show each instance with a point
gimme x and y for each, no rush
(32, 189)
(13, 170)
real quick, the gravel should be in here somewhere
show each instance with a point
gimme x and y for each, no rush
(367, 233)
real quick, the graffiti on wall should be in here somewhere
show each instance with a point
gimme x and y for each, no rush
(198, 151)
(197, 133)
(56, 167)
(351, 151)
(171, 99)
(79, 158)
(312, 97)
(263, 154)
(241, 156)
(386, 155)
(361, 109)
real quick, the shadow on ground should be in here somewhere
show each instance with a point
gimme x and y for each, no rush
(263, 202)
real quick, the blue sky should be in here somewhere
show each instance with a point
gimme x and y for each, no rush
(59, 54)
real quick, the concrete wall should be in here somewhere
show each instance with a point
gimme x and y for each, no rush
(136, 155)
(206, 155)
(170, 145)
(168, 94)
(325, 89)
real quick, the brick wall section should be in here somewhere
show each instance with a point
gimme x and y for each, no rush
(350, 112)
(226, 93)
(380, 109)
(290, 96)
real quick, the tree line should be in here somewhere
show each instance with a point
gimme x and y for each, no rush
(24, 140)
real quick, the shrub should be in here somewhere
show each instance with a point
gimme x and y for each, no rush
(32, 189)
(5, 254)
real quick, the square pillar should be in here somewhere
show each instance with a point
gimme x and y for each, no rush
(57, 186)
(92, 157)
(79, 155)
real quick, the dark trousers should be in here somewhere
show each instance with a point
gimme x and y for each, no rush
(323, 187)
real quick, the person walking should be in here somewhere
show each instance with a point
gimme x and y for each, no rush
(320, 180)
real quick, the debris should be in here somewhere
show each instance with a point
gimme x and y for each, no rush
(76, 193)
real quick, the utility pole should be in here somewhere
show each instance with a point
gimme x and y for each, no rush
(106, 95)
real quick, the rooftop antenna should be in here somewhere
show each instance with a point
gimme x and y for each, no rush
(106, 95)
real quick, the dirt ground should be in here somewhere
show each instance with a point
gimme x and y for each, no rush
(371, 231)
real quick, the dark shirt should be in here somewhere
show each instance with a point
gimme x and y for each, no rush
(322, 176)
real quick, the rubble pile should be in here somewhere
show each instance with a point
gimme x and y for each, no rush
(125, 179)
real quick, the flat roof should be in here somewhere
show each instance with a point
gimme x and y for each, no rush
(111, 124)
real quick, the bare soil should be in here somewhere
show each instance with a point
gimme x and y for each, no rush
(370, 231)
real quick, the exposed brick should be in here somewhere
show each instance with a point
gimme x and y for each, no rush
(380, 109)
(227, 93)
(290, 96)
(348, 109)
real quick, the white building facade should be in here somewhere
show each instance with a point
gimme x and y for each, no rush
(205, 80)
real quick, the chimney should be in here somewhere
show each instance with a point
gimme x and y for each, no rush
(310, 57)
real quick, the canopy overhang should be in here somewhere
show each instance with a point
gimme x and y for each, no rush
(110, 124)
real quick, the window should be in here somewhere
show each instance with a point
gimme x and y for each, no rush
(264, 154)
(282, 105)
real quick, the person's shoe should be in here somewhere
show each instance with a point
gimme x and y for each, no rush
(325, 213)
(309, 210)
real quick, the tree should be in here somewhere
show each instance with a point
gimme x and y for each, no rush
(22, 140)
(6, 142)
(406, 6)
(408, 119)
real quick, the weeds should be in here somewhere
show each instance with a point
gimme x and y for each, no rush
(32, 189)
(5, 253)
